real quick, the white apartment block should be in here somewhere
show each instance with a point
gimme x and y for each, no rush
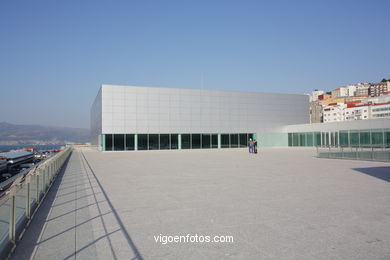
(362, 89)
(350, 90)
(314, 95)
(380, 111)
(357, 113)
(334, 113)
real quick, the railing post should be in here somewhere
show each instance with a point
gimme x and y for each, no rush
(44, 179)
(28, 181)
(12, 217)
(38, 190)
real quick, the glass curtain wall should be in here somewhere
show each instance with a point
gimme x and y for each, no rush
(164, 142)
(108, 141)
(206, 141)
(225, 141)
(174, 141)
(126, 142)
(119, 142)
(214, 141)
(343, 138)
(142, 141)
(195, 141)
(153, 142)
(129, 142)
(243, 140)
(233, 140)
(185, 141)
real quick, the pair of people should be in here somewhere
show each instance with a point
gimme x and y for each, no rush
(252, 145)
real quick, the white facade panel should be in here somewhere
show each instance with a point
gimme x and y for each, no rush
(130, 109)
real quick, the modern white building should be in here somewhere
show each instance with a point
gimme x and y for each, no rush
(146, 118)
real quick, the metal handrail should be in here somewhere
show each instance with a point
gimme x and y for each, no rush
(363, 152)
(46, 171)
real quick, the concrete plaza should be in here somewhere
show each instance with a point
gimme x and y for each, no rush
(281, 203)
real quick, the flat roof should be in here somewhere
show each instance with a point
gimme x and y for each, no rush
(281, 203)
(201, 89)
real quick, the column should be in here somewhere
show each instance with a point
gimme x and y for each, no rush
(219, 141)
(103, 142)
(179, 141)
(135, 142)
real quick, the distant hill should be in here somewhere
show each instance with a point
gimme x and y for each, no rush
(11, 134)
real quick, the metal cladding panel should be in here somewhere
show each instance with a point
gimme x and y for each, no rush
(337, 126)
(130, 109)
(96, 119)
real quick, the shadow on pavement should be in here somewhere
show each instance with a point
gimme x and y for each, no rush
(382, 173)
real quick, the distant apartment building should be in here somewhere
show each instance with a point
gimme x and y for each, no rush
(380, 88)
(315, 112)
(359, 112)
(324, 97)
(362, 89)
(340, 92)
(351, 102)
(334, 112)
(380, 110)
(350, 90)
(314, 95)
(345, 91)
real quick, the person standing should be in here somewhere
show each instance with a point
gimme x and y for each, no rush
(250, 145)
(255, 146)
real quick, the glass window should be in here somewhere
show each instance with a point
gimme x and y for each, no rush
(233, 140)
(354, 138)
(109, 140)
(332, 139)
(318, 138)
(174, 141)
(195, 141)
(377, 137)
(365, 138)
(119, 142)
(243, 140)
(164, 142)
(295, 139)
(142, 141)
(214, 141)
(250, 136)
(309, 139)
(344, 138)
(129, 142)
(153, 142)
(206, 141)
(336, 138)
(290, 139)
(387, 137)
(225, 141)
(302, 139)
(185, 141)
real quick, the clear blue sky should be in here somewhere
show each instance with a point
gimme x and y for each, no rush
(54, 55)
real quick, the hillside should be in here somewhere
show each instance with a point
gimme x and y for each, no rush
(12, 134)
